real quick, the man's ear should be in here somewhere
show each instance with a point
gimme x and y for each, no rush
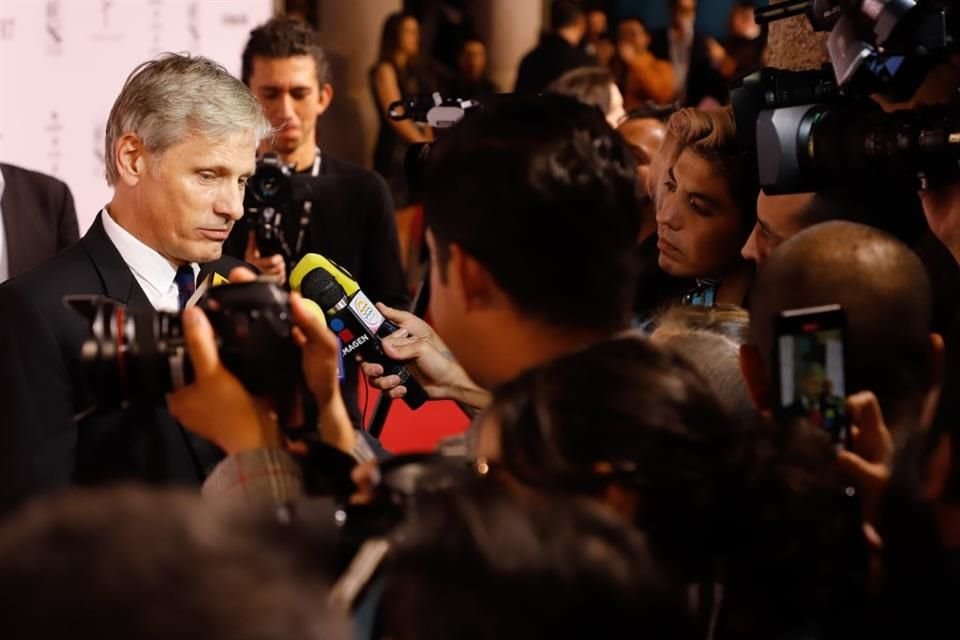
(751, 366)
(325, 98)
(478, 287)
(937, 364)
(130, 159)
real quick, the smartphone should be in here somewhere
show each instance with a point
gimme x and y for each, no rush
(810, 365)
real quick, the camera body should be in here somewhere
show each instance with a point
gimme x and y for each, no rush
(137, 356)
(819, 129)
(277, 206)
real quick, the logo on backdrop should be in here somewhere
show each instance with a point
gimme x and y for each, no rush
(6, 27)
(54, 28)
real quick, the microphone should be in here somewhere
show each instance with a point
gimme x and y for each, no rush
(355, 320)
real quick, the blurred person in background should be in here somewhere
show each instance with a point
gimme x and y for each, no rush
(558, 51)
(593, 86)
(471, 80)
(37, 219)
(695, 57)
(746, 41)
(642, 77)
(596, 41)
(401, 73)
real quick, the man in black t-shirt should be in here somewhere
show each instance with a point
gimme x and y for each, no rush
(351, 214)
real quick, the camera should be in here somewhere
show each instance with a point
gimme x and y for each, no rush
(434, 110)
(136, 356)
(818, 129)
(276, 201)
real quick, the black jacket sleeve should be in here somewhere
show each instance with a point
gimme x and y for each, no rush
(68, 231)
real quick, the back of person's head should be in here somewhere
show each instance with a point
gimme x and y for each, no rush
(285, 37)
(590, 85)
(884, 291)
(710, 338)
(711, 135)
(490, 561)
(541, 192)
(565, 13)
(626, 413)
(136, 563)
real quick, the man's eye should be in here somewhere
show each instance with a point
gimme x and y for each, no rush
(696, 206)
(208, 175)
(299, 95)
(671, 186)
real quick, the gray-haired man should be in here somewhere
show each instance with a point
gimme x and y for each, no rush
(180, 144)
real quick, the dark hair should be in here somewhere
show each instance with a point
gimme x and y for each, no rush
(471, 37)
(136, 563)
(589, 85)
(542, 566)
(564, 13)
(390, 35)
(797, 567)
(645, 413)
(284, 38)
(633, 18)
(533, 187)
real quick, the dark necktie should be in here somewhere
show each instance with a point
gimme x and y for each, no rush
(186, 284)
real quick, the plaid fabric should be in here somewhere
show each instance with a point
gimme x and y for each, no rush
(255, 476)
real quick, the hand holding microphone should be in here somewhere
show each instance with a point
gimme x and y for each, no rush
(353, 317)
(427, 358)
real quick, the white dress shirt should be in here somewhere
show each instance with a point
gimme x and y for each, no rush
(153, 272)
(4, 256)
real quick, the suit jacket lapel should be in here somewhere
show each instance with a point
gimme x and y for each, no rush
(116, 277)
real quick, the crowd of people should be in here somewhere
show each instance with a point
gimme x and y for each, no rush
(606, 279)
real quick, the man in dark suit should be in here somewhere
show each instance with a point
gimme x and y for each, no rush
(351, 218)
(38, 219)
(558, 51)
(180, 144)
(694, 56)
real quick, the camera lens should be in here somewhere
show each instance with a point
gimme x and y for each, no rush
(136, 356)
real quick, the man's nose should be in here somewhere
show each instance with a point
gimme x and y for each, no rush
(229, 203)
(667, 212)
(750, 250)
(286, 107)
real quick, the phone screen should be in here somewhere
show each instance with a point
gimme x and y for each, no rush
(810, 362)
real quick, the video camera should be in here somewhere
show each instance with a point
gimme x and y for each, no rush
(277, 207)
(817, 129)
(438, 112)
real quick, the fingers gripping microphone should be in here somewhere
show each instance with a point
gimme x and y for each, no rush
(359, 326)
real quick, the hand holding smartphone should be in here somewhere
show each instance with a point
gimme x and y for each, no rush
(809, 367)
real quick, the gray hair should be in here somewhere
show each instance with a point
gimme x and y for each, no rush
(170, 97)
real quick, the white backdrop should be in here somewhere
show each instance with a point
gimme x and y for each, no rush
(63, 62)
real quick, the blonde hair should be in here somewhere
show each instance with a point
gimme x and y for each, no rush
(166, 99)
(712, 135)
